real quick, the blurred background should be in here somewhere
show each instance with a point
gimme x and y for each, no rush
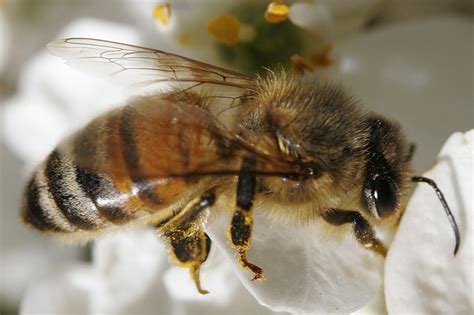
(410, 60)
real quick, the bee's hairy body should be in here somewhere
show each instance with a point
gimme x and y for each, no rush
(64, 196)
(217, 140)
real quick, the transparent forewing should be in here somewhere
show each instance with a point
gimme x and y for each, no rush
(157, 137)
(150, 69)
(143, 158)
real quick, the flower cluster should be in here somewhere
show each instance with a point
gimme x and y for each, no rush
(252, 35)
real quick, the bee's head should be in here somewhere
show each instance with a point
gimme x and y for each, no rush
(387, 174)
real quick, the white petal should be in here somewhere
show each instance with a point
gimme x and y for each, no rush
(64, 98)
(130, 266)
(313, 17)
(27, 136)
(351, 16)
(26, 259)
(125, 278)
(66, 291)
(305, 270)
(421, 273)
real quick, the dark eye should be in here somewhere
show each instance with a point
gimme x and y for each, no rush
(384, 195)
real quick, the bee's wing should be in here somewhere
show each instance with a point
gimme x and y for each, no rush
(144, 152)
(149, 69)
(174, 139)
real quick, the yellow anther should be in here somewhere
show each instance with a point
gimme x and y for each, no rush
(225, 29)
(162, 13)
(276, 12)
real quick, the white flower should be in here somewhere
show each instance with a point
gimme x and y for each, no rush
(306, 271)
(130, 274)
(243, 35)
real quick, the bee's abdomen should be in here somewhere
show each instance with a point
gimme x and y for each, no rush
(57, 199)
(38, 212)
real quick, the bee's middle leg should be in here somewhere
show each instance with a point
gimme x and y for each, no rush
(363, 231)
(189, 245)
(240, 232)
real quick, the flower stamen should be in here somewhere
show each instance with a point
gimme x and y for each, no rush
(162, 13)
(276, 12)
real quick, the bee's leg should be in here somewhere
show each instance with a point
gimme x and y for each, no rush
(190, 252)
(240, 232)
(363, 231)
(189, 245)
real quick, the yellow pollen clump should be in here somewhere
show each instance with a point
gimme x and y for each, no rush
(276, 12)
(162, 13)
(225, 29)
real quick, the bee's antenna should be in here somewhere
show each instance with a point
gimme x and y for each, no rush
(441, 198)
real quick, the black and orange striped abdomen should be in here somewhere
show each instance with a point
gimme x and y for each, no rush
(134, 163)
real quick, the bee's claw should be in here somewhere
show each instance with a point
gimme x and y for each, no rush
(258, 272)
(194, 272)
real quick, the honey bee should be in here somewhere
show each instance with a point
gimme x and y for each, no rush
(211, 140)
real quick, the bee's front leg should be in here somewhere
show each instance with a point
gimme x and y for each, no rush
(189, 245)
(363, 231)
(240, 232)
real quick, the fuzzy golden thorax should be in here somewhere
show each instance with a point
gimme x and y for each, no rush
(319, 124)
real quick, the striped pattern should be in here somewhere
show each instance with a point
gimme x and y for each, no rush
(70, 199)
(38, 213)
(131, 156)
(116, 170)
(98, 188)
(56, 202)
(66, 198)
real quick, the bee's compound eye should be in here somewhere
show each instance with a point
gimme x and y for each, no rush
(385, 196)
